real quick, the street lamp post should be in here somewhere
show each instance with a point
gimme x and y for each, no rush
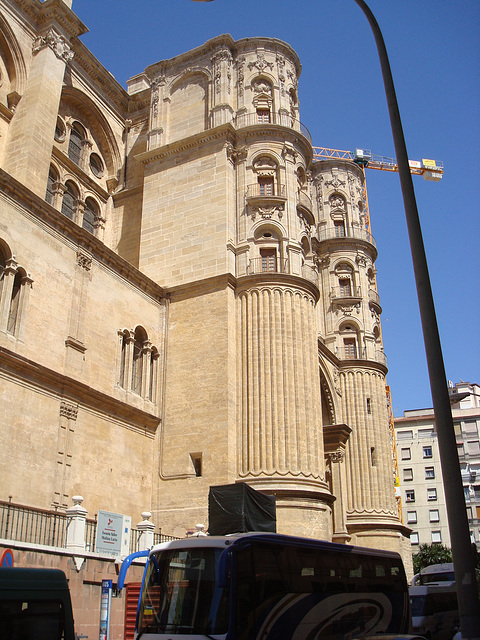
(468, 602)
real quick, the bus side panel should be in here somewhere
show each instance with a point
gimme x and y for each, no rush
(333, 616)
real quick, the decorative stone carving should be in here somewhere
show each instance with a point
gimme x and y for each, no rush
(293, 78)
(265, 166)
(361, 260)
(267, 212)
(260, 63)
(235, 154)
(336, 456)
(335, 182)
(68, 410)
(57, 44)
(240, 75)
(262, 86)
(337, 203)
(84, 260)
(305, 222)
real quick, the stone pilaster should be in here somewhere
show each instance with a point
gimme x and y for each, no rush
(31, 133)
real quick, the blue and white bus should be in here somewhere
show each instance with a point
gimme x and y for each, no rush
(260, 586)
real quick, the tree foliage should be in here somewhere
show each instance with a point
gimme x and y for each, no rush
(431, 554)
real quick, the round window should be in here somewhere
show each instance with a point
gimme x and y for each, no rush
(96, 165)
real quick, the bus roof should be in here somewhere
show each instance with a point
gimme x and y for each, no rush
(240, 539)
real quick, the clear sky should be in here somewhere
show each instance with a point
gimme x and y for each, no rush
(434, 51)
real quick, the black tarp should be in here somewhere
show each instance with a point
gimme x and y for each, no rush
(237, 508)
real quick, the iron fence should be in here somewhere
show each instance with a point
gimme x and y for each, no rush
(49, 527)
(37, 526)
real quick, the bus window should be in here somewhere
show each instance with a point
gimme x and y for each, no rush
(182, 594)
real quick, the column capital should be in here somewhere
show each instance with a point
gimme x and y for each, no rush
(56, 42)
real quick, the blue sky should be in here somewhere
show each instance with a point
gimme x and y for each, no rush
(434, 51)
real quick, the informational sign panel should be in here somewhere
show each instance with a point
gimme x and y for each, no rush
(113, 533)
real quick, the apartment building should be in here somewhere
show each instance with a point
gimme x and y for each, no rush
(420, 474)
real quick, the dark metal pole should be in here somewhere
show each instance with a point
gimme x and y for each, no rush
(469, 607)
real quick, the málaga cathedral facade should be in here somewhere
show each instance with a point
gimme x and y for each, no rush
(188, 299)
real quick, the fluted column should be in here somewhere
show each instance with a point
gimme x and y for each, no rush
(369, 459)
(280, 433)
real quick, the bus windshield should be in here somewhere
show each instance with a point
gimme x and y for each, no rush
(182, 593)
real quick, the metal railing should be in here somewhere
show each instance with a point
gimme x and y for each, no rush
(268, 264)
(347, 354)
(282, 119)
(257, 190)
(37, 526)
(49, 527)
(158, 538)
(335, 233)
(345, 292)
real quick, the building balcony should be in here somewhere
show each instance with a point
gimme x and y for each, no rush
(343, 353)
(345, 234)
(269, 265)
(266, 194)
(374, 300)
(280, 119)
(304, 203)
(346, 295)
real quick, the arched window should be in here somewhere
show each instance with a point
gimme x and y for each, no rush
(266, 170)
(263, 100)
(75, 144)
(349, 349)
(13, 312)
(345, 275)
(69, 201)
(90, 215)
(52, 180)
(138, 364)
(153, 375)
(14, 286)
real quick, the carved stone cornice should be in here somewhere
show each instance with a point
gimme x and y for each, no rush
(186, 144)
(78, 393)
(35, 207)
(56, 11)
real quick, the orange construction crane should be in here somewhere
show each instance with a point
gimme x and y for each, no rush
(430, 169)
